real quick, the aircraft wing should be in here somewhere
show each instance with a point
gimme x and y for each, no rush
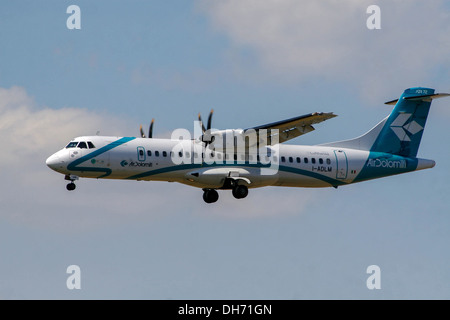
(291, 128)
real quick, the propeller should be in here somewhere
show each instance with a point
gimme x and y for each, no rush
(208, 127)
(150, 130)
(206, 131)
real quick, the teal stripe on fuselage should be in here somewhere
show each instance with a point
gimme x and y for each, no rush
(331, 181)
(73, 166)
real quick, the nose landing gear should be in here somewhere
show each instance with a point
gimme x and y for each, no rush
(71, 186)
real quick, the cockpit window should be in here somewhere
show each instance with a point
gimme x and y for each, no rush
(72, 145)
(82, 145)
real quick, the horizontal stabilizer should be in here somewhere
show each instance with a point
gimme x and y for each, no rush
(425, 97)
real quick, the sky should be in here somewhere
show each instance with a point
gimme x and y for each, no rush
(253, 62)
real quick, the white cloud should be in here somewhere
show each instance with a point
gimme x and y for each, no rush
(328, 39)
(31, 132)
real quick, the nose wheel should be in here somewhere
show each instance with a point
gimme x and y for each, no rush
(71, 186)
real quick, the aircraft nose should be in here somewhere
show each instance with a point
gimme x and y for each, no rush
(53, 162)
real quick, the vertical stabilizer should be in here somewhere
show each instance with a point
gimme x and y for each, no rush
(401, 132)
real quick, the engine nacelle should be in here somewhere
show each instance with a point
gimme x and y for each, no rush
(224, 139)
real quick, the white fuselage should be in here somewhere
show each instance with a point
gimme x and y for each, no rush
(188, 163)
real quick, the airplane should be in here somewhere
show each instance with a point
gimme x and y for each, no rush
(243, 159)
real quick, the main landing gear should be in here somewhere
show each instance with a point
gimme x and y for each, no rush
(71, 186)
(238, 191)
(210, 195)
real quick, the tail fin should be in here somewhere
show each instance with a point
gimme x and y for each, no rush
(400, 133)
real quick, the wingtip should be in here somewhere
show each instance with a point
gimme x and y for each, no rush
(329, 114)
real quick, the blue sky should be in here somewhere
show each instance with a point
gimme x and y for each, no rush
(254, 62)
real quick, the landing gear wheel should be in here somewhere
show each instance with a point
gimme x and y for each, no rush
(240, 191)
(70, 177)
(210, 195)
(71, 186)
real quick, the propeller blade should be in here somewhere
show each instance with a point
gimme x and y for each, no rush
(201, 122)
(150, 130)
(142, 132)
(209, 120)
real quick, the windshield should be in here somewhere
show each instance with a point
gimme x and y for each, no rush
(72, 145)
(81, 145)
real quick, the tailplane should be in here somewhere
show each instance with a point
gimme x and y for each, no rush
(401, 132)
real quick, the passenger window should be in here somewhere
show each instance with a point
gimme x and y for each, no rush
(320, 160)
(298, 159)
(313, 160)
(149, 153)
(82, 145)
(141, 153)
(156, 153)
(180, 154)
(91, 145)
(283, 159)
(164, 154)
(291, 159)
(305, 160)
(328, 161)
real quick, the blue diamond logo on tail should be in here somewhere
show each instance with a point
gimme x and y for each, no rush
(400, 127)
